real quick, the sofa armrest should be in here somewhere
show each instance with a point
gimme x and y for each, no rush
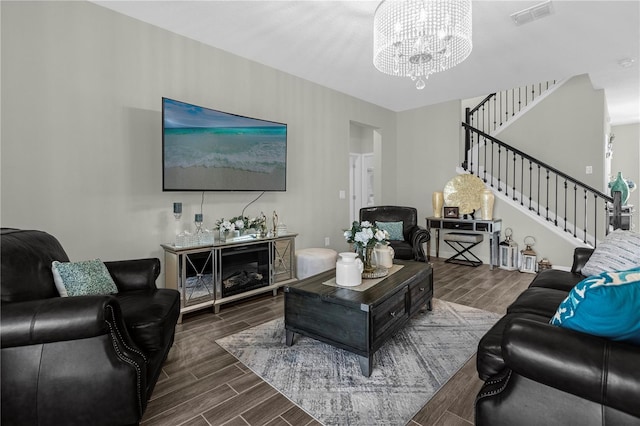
(69, 359)
(580, 257)
(56, 319)
(419, 236)
(590, 367)
(137, 274)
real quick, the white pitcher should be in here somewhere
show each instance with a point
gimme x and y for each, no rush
(349, 269)
(383, 255)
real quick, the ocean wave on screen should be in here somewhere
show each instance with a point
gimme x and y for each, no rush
(263, 157)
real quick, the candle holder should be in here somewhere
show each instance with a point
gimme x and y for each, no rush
(177, 210)
(198, 222)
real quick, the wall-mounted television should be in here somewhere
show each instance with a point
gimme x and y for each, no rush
(208, 150)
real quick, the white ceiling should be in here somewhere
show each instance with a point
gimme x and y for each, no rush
(331, 43)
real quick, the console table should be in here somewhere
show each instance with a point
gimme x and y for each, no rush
(214, 274)
(491, 227)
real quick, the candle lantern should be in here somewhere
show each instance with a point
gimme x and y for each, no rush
(529, 256)
(508, 252)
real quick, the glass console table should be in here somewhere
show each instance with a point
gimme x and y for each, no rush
(213, 274)
(491, 227)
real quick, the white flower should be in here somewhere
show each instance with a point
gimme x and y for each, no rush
(239, 224)
(381, 235)
(364, 236)
(227, 226)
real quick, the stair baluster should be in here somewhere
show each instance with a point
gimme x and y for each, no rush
(565, 212)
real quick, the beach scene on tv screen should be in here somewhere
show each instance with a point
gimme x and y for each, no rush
(206, 149)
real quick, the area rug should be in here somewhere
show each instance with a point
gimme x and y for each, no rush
(326, 382)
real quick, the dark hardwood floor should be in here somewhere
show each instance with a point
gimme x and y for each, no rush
(201, 384)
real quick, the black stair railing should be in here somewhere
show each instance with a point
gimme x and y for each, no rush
(498, 108)
(565, 202)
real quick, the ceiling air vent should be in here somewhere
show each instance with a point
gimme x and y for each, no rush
(532, 13)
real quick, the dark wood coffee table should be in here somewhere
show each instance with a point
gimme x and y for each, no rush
(357, 321)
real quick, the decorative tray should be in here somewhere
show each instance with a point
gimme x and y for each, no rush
(377, 273)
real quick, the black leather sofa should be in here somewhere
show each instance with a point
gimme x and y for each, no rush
(540, 374)
(85, 360)
(415, 236)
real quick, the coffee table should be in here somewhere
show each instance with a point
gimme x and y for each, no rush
(357, 321)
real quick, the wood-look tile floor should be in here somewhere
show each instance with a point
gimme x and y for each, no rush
(202, 384)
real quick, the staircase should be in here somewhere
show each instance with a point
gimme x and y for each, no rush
(573, 209)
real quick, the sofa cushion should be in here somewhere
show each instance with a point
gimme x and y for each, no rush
(150, 316)
(85, 278)
(606, 305)
(538, 300)
(619, 251)
(393, 228)
(26, 257)
(556, 279)
(489, 359)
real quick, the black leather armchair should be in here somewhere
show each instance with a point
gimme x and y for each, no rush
(415, 236)
(536, 373)
(78, 360)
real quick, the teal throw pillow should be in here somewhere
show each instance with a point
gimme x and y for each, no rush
(606, 305)
(393, 228)
(89, 277)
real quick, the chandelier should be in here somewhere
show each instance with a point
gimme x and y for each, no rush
(416, 38)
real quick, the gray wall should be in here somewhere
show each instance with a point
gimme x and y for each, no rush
(81, 135)
(427, 153)
(566, 130)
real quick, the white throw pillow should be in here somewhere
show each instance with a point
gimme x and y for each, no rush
(619, 251)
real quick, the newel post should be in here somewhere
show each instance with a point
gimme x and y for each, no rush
(467, 138)
(617, 209)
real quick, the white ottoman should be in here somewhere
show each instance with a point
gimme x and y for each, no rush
(312, 261)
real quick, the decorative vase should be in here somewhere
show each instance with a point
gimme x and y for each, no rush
(620, 185)
(367, 257)
(486, 201)
(437, 199)
(224, 235)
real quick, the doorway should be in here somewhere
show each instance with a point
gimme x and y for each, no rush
(364, 171)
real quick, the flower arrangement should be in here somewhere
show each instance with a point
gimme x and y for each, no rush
(365, 235)
(240, 223)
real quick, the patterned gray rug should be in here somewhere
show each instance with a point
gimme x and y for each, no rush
(407, 371)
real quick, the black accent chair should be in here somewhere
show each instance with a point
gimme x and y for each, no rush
(415, 236)
(84, 360)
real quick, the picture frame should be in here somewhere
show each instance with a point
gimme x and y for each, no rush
(451, 212)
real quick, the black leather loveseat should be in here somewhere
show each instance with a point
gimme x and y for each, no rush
(540, 374)
(84, 360)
